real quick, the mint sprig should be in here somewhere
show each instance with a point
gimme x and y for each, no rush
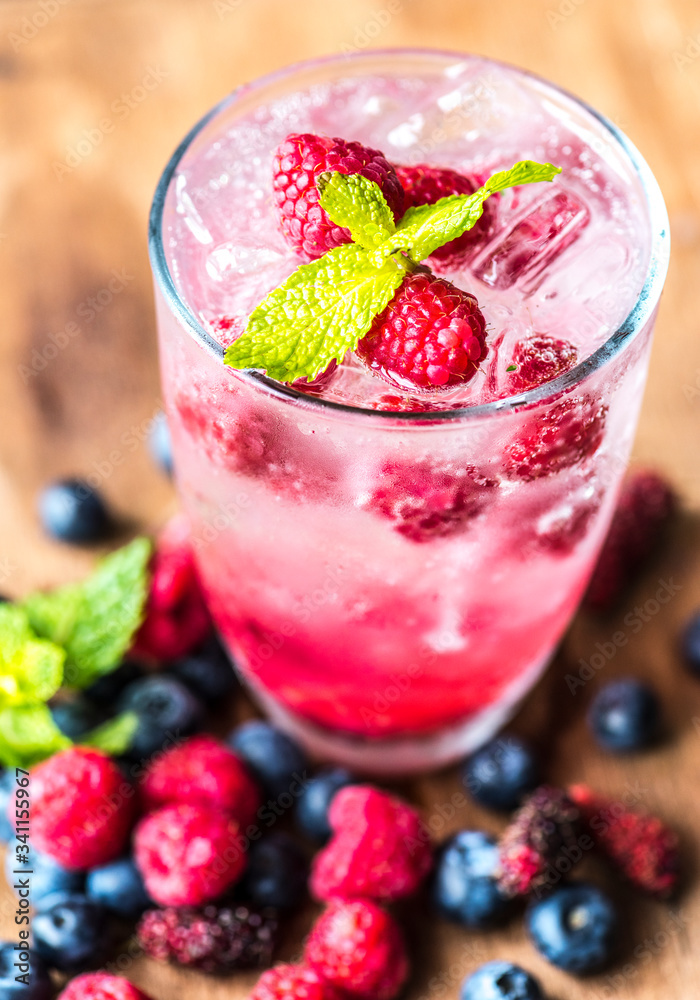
(324, 308)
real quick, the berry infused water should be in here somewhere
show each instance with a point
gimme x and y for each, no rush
(394, 541)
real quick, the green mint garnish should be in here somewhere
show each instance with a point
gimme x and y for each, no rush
(30, 668)
(115, 736)
(324, 308)
(512, 368)
(29, 735)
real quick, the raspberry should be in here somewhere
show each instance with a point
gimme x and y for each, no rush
(379, 850)
(424, 185)
(403, 404)
(564, 436)
(188, 854)
(176, 619)
(203, 771)
(100, 986)
(643, 848)
(298, 162)
(357, 947)
(431, 335)
(539, 359)
(82, 808)
(213, 939)
(317, 386)
(292, 982)
(543, 829)
(645, 505)
(425, 502)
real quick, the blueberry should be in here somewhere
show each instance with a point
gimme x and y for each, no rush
(208, 673)
(160, 444)
(464, 884)
(275, 760)
(39, 985)
(574, 928)
(690, 644)
(74, 718)
(315, 800)
(276, 874)
(165, 708)
(48, 875)
(70, 931)
(105, 691)
(72, 511)
(119, 887)
(500, 981)
(625, 715)
(501, 772)
(7, 785)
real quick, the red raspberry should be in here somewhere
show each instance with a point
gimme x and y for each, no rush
(539, 359)
(403, 404)
(358, 949)
(645, 505)
(431, 335)
(559, 535)
(100, 986)
(317, 386)
(379, 850)
(292, 982)
(177, 620)
(565, 435)
(643, 848)
(82, 808)
(298, 162)
(188, 854)
(425, 502)
(203, 771)
(545, 827)
(424, 185)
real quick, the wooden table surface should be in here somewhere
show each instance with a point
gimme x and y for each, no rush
(94, 95)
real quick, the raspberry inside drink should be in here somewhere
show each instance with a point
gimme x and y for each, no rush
(392, 566)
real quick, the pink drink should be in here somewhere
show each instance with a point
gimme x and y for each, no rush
(391, 582)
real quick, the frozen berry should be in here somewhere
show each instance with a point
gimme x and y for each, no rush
(500, 981)
(298, 162)
(625, 715)
(203, 771)
(431, 335)
(276, 873)
(501, 772)
(212, 939)
(465, 887)
(73, 511)
(425, 501)
(70, 932)
(160, 443)
(16, 962)
(105, 691)
(176, 619)
(357, 948)
(119, 887)
(47, 877)
(82, 808)
(575, 927)
(101, 986)
(424, 185)
(188, 854)
(75, 718)
(379, 849)
(690, 643)
(207, 672)
(538, 360)
(315, 801)
(565, 435)
(645, 505)
(166, 710)
(292, 982)
(274, 758)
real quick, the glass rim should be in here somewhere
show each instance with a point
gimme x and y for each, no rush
(636, 319)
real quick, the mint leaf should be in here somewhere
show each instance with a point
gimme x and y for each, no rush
(31, 669)
(426, 228)
(317, 315)
(28, 735)
(95, 621)
(115, 736)
(357, 203)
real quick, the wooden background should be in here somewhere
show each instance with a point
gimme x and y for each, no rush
(94, 95)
